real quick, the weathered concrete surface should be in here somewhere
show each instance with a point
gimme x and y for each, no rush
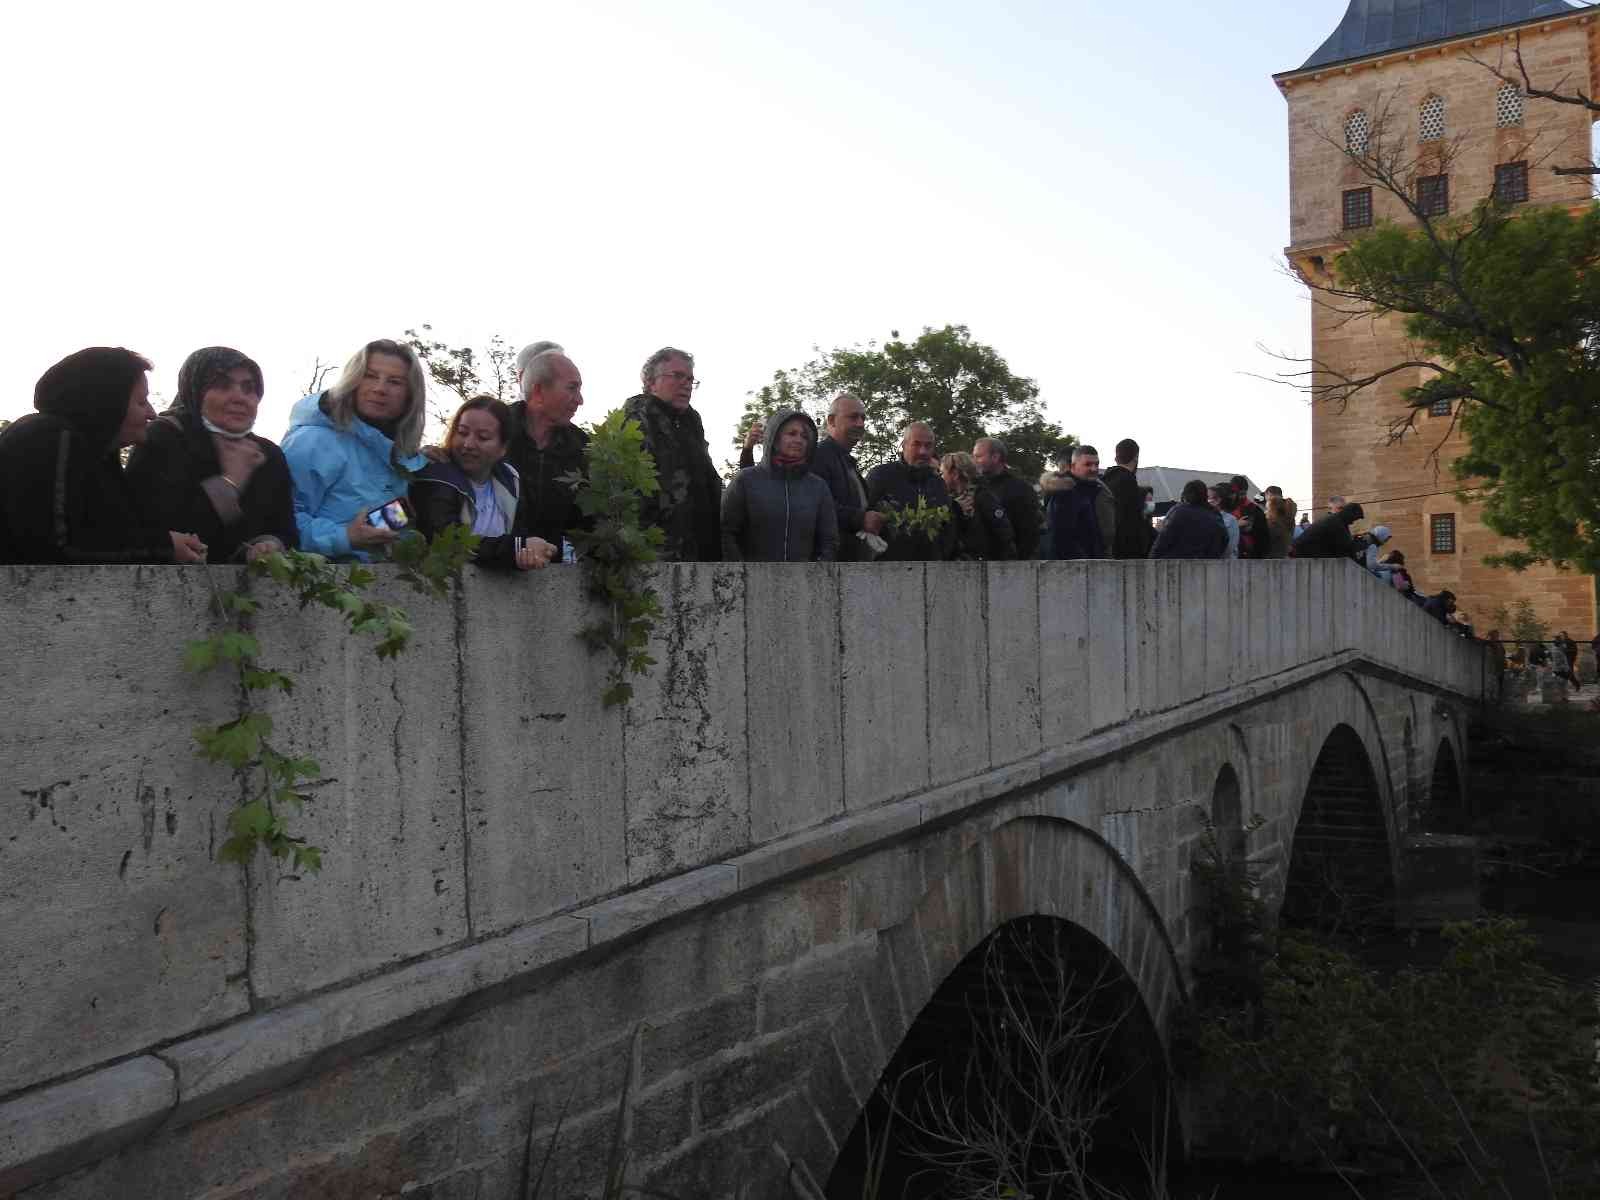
(545, 815)
(687, 766)
(793, 923)
(394, 883)
(792, 630)
(118, 930)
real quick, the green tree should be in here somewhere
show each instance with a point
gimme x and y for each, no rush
(1502, 307)
(962, 388)
(460, 372)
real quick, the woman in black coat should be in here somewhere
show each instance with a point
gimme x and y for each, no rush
(201, 468)
(63, 495)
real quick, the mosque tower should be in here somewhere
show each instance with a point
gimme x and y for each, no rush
(1418, 65)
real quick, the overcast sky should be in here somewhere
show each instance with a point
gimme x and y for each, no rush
(1097, 190)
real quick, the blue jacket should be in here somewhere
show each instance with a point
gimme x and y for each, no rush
(338, 475)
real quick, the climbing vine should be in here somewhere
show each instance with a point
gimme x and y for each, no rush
(277, 781)
(617, 476)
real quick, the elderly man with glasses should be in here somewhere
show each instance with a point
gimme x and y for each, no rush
(688, 507)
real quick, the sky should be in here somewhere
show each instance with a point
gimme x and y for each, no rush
(1099, 191)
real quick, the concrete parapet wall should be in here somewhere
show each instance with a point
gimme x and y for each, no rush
(483, 816)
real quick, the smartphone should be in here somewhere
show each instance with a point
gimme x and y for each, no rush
(389, 516)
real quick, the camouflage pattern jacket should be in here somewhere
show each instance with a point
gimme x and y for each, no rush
(688, 509)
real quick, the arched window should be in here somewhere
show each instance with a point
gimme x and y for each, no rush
(1430, 123)
(1356, 129)
(1508, 106)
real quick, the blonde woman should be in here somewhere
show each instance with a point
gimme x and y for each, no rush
(983, 531)
(352, 450)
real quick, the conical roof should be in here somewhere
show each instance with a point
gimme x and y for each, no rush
(1381, 26)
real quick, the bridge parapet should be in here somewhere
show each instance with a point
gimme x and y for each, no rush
(484, 815)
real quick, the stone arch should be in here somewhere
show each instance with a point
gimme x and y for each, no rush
(1342, 859)
(1447, 808)
(1227, 813)
(1030, 867)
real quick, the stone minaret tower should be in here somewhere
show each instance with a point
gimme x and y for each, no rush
(1408, 65)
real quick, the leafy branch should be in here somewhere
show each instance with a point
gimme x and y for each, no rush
(279, 783)
(920, 520)
(618, 474)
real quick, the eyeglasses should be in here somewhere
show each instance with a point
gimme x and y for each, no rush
(681, 377)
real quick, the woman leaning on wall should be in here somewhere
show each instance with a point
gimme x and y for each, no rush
(352, 451)
(202, 468)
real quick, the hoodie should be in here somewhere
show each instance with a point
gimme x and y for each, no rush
(63, 495)
(338, 475)
(178, 478)
(773, 513)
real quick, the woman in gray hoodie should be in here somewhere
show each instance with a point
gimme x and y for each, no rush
(779, 511)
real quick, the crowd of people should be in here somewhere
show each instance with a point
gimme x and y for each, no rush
(95, 475)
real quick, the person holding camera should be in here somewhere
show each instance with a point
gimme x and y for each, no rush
(201, 468)
(352, 451)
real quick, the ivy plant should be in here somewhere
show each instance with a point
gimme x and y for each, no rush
(615, 546)
(277, 780)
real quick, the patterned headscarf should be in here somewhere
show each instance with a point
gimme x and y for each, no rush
(204, 368)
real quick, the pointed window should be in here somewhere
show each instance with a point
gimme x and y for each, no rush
(1430, 122)
(1508, 106)
(1356, 129)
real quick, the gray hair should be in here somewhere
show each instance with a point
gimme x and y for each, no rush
(540, 369)
(833, 405)
(914, 425)
(1336, 502)
(342, 395)
(996, 446)
(653, 364)
(532, 351)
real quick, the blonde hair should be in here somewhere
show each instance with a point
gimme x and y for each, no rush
(341, 397)
(962, 464)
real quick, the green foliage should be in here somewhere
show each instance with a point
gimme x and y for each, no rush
(277, 783)
(618, 474)
(920, 520)
(962, 388)
(462, 372)
(1509, 307)
(1520, 622)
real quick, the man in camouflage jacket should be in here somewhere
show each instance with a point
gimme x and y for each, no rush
(688, 507)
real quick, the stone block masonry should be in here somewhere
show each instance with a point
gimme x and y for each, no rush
(746, 887)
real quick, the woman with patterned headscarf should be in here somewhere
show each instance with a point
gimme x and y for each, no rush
(201, 468)
(63, 495)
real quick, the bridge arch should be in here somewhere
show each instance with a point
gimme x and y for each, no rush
(1342, 858)
(1448, 810)
(1030, 875)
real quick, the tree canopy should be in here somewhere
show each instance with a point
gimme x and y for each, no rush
(1502, 307)
(962, 388)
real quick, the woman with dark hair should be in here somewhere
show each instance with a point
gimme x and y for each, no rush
(63, 495)
(352, 451)
(1193, 528)
(201, 468)
(474, 486)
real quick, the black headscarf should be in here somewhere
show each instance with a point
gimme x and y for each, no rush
(89, 390)
(202, 370)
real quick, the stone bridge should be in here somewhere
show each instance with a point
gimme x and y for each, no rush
(723, 909)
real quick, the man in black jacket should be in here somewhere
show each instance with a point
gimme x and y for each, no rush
(1193, 529)
(1330, 536)
(836, 464)
(1019, 499)
(900, 485)
(1132, 538)
(688, 508)
(545, 445)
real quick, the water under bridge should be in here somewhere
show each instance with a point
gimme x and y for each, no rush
(729, 903)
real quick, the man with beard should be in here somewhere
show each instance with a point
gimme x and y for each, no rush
(1016, 497)
(688, 508)
(900, 485)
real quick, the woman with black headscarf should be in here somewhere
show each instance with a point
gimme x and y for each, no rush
(63, 495)
(201, 468)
